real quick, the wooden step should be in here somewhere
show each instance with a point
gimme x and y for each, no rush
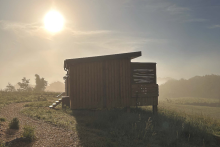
(56, 103)
(51, 106)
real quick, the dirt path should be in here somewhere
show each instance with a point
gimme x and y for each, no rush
(47, 134)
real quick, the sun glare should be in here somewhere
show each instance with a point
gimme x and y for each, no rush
(53, 21)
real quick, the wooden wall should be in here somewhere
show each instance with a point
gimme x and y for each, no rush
(67, 85)
(100, 84)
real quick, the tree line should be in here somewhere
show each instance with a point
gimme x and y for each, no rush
(207, 86)
(24, 85)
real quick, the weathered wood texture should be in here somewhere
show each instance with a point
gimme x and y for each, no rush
(110, 81)
(143, 73)
(100, 84)
(68, 84)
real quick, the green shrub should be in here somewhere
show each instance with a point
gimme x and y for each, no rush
(2, 119)
(2, 144)
(28, 133)
(14, 124)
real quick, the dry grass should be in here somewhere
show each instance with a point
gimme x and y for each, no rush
(46, 134)
(205, 107)
(140, 128)
(18, 97)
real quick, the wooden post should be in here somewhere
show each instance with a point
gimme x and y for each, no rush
(65, 101)
(154, 109)
(136, 99)
(104, 84)
(128, 109)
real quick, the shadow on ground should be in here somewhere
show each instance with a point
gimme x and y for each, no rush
(10, 132)
(116, 127)
(19, 142)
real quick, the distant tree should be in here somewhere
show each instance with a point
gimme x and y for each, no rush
(24, 85)
(199, 86)
(56, 87)
(40, 83)
(10, 88)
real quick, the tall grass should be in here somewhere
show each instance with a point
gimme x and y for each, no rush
(115, 127)
(2, 144)
(17, 97)
(138, 128)
(29, 134)
(14, 123)
(2, 119)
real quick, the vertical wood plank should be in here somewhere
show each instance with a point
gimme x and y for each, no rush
(104, 83)
(93, 94)
(92, 85)
(121, 83)
(106, 73)
(81, 86)
(77, 88)
(126, 85)
(129, 82)
(123, 91)
(97, 79)
(107, 85)
(100, 85)
(69, 91)
(86, 86)
(73, 89)
(114, 85)
(83, 82)
(110, 84)
(89, 85)
(113, 81)
(78, 76)
(95, 84)
(118, 83)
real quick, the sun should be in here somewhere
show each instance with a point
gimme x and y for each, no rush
(53, 21)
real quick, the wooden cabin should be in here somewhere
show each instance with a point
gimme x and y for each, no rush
(110, 81)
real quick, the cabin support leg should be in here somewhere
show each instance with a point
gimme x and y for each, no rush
(154, 109)
(128, 109)
(65, 101)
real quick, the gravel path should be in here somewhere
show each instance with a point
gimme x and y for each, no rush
(47, 135)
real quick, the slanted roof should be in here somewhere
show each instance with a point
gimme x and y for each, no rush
(131, 55)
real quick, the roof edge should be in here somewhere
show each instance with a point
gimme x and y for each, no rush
(130, 55)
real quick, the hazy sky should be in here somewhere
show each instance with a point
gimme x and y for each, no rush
(182, 36)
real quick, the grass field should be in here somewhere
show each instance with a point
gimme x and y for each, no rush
(171, 127)
(18, 97)
(203, 107)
